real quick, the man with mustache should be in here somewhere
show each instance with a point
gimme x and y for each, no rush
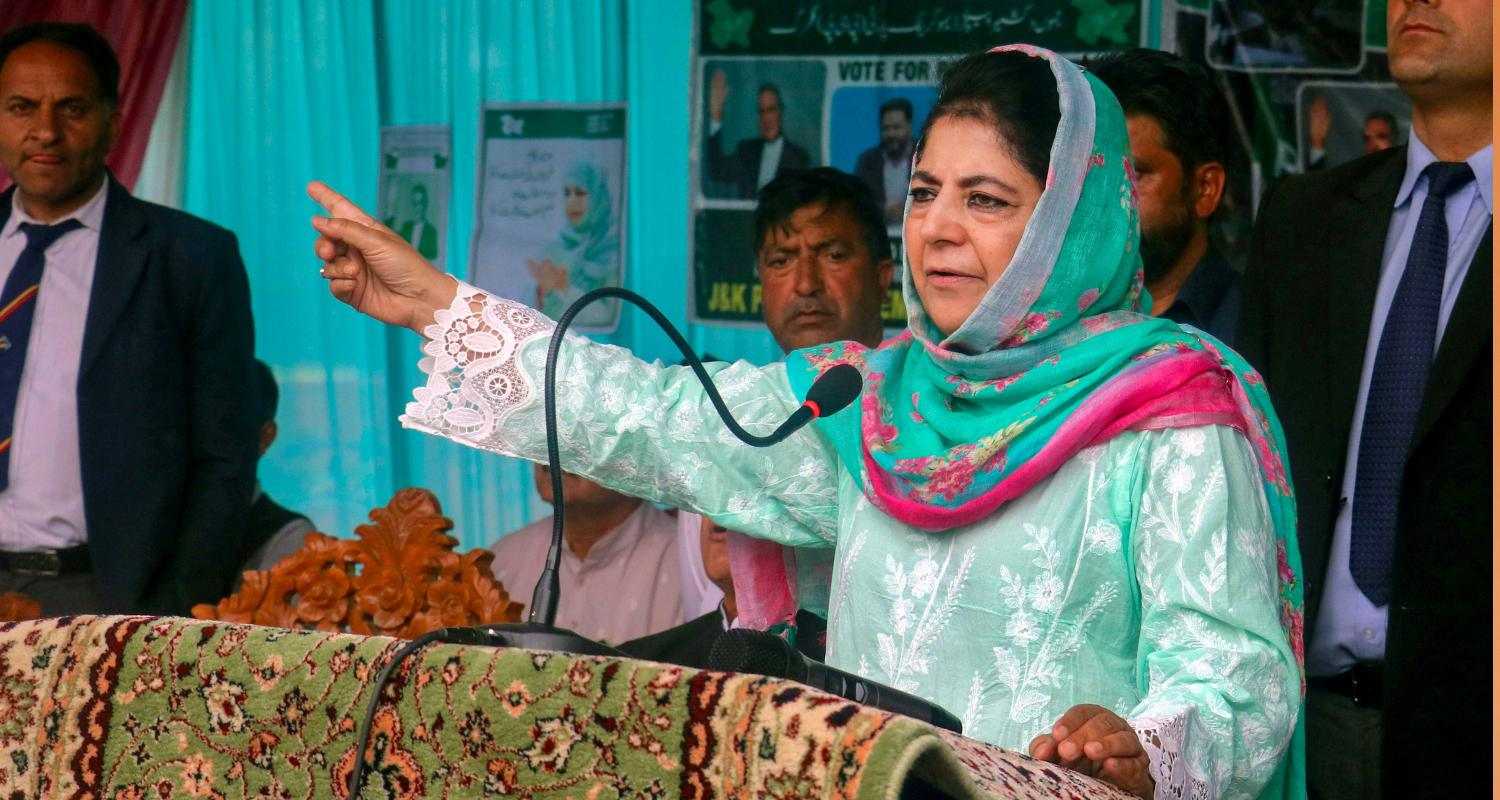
(1179, 145)
(824, 262)
(823, 258)
(127, 442)
(1367, 311)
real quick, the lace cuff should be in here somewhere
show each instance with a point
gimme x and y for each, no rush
(1163, 740)
(475, 380)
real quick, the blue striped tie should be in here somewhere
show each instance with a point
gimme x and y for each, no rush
(17, 307)
(1397, 386)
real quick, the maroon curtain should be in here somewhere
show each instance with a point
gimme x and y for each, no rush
(144, 34)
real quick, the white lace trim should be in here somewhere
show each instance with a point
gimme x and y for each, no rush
(474, 380)
(1164, 741)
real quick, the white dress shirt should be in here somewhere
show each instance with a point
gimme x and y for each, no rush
(770, 159)
(42, 508)
(897, 177)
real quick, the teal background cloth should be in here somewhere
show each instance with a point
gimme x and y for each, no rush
(285, 91)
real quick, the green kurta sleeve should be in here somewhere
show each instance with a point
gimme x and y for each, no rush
(1221, 685)
(647, 430)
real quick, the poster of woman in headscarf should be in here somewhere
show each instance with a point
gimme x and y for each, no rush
(551, 200)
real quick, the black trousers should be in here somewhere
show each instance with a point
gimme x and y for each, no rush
(1343, 748)
(75, 593)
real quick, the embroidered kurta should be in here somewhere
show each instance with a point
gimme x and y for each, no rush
(1141, 576)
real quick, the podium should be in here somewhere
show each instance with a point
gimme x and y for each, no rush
(138, 707)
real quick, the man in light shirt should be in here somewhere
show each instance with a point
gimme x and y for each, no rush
(618, 576)
(127, 440)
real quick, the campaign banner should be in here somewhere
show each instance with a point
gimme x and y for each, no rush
(781, 86)
(847, 83)
(551, 206)
(416, 186)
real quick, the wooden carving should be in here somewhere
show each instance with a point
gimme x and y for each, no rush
(15, 607)
(400, 577)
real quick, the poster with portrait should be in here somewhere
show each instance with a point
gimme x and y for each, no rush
(416, 186)
(1339, 121)
(551, 206)
(1301, 110)
(1306, 36)
(780, 86)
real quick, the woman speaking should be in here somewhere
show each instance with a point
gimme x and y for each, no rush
(1064, 521)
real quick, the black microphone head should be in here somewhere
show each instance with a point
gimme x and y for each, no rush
(835, 389)
(754, 652)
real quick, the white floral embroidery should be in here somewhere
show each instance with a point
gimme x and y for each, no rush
(1190, 441)
(1104, 536)
(1180, 479)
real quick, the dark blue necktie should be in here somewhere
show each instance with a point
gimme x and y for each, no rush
(1397, 385)
(17, 307)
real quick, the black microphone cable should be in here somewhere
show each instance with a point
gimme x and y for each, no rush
(468, 636)
(829, 393)
(832, 391)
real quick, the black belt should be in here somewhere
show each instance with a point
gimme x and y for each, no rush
(1364, 684)
(48, 563)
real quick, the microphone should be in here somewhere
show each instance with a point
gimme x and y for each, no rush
(829, 394)
(762, 653)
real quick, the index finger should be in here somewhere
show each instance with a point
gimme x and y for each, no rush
(338, 205)
(348, 231)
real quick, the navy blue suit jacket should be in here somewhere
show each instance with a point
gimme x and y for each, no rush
(167, 438)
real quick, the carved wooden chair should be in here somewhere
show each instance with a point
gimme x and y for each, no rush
(400, 577)
(15, 607)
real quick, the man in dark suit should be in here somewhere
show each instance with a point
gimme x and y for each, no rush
(1367, 311)
(886, 167)
(418, 231)
(127, 449)
(754, 162)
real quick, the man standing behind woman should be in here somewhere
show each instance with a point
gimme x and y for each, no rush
(1367, 309)
(1179, 144)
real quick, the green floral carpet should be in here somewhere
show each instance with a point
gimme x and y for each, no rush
(131, 708)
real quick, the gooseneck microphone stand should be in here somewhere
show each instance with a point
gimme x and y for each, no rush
(830, 393)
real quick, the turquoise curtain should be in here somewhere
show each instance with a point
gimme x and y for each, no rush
(283, 91)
